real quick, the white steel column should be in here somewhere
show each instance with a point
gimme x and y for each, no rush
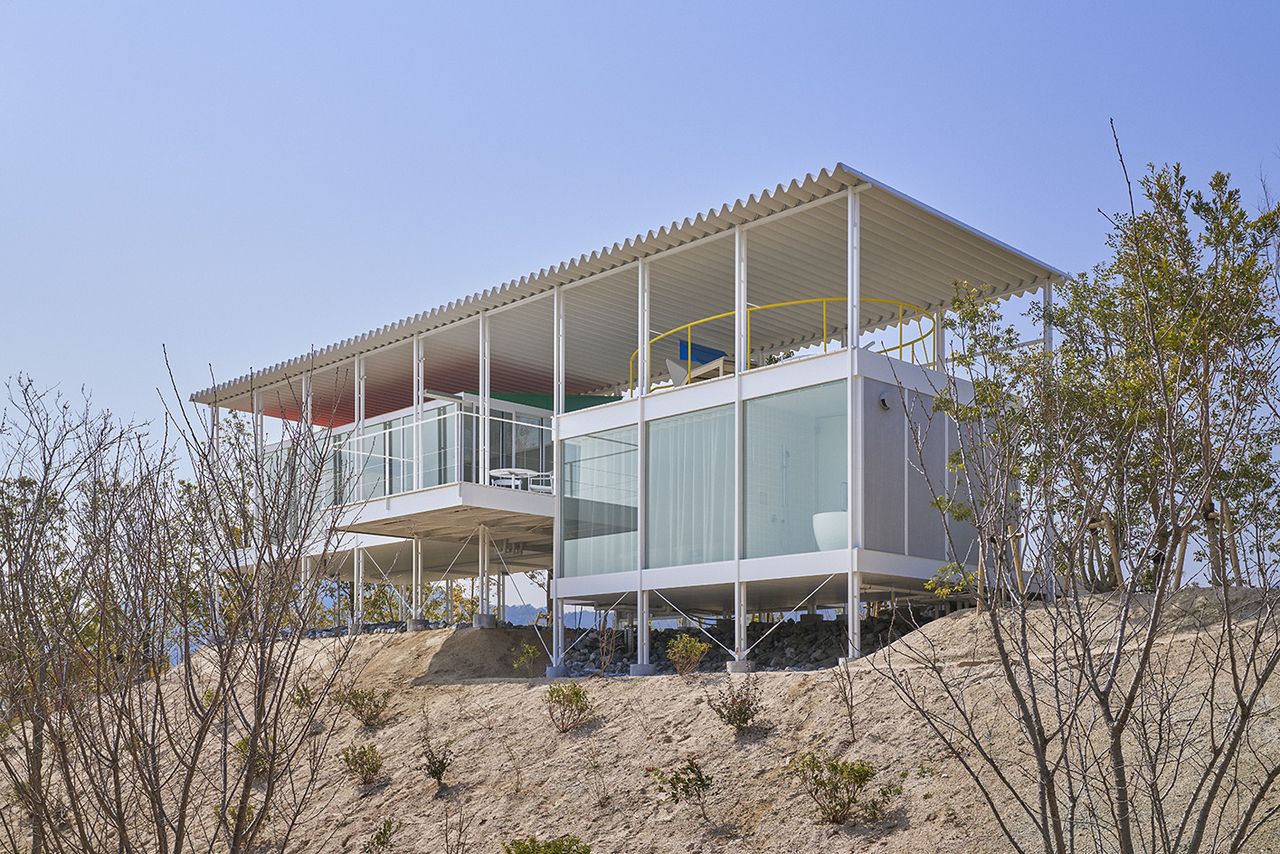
(939, 340)
(484, 618)
(556, 617)
(306, 414)
(642, 667)
(357, 591)
(256, 397)
(501, 597)
(483, 426)
(642, 629)
(448, 601)
(360, 391)
(739, 621)
(416, 597)
(854, 499)
(557, 638)
(741, 362)
(419, 380)
(642, 328)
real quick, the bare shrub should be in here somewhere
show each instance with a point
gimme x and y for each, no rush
(456, 827)
(846, 691)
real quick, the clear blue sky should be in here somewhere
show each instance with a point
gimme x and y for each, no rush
(242, 182)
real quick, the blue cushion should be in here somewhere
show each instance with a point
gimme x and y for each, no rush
(701, 354)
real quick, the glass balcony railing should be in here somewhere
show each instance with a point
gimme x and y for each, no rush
(403, 454)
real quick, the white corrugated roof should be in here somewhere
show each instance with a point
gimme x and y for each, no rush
(1019, 272)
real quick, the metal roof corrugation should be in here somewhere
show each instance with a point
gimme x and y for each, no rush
(713, 221)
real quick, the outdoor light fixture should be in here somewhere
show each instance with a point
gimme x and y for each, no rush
(884, 401)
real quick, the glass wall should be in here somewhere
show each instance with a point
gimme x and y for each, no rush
(689, 509)
(599, 499)
(796, 474)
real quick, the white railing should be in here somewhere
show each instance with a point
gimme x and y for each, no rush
(401, 454)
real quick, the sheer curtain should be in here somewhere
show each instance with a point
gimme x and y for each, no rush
(598, 503)
(690, 488)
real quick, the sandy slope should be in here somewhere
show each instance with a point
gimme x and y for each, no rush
(514, 775)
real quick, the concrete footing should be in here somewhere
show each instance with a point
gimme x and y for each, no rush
(557, 671)
(743, 666)
(484, 621)
(643, 670)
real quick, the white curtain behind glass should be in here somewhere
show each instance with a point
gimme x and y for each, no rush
(690, 489)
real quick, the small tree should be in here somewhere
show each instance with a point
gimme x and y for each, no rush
(685, 652)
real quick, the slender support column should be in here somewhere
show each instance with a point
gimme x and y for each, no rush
(742, 358)
(642, 328)
(357, 592)
(415, 440)
(306, 414)
(643, 666)
(257, 422)
(448, 601)
(484, 618)
(558, 312)
(415, 596)
(502, 596)
(483, 426)
(740, 664)
(939, 340)
(360, 393)
(855, 498)
(557, 668)
(854, 618)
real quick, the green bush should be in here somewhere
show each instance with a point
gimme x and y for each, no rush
(436, 759)
(261, 760)
(738, 704)
(363, 762)
(383, 839)
(559, 845)
(687, 783)
(568, 705)
(367, 705)
(836, 785)
(685, 652)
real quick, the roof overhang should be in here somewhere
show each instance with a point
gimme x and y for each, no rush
(1007, 271)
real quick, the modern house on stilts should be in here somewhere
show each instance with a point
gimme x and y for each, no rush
(682, 424)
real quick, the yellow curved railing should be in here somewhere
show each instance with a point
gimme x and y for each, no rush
(901, 347)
